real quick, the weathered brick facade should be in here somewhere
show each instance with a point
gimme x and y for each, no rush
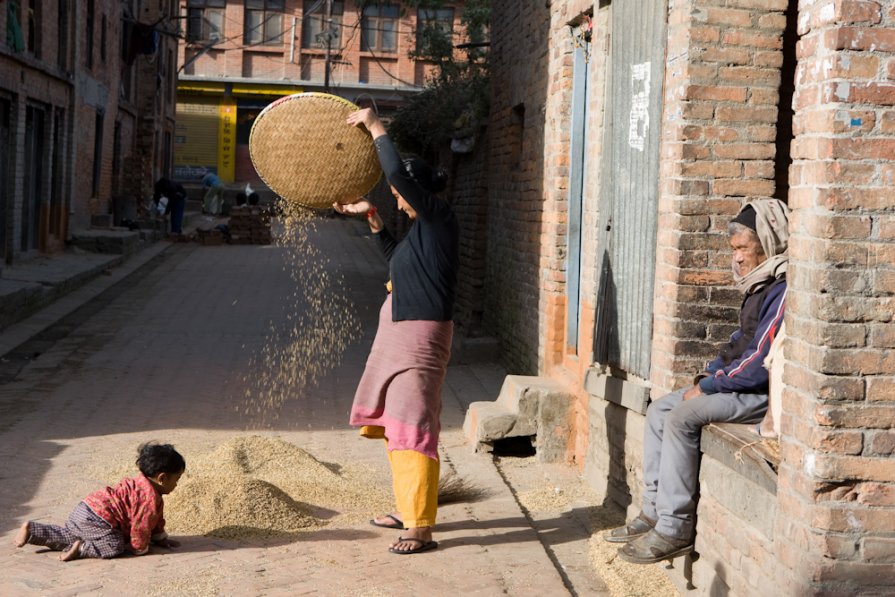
(516, 181)
(228, 66)
(468, 194)
(62, 87)
(292, 56)
(823, 524)
(837, 478)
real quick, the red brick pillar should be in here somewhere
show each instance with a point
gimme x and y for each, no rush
(837, 477)
(718, 132)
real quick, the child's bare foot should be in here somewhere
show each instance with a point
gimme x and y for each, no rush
(73, 553)
(23, 534)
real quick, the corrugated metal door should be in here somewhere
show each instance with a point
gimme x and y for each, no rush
(628, 204)
(196, 138)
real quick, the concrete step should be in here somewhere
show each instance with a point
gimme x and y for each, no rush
(116, 241)
(27, 287)
(527, 406)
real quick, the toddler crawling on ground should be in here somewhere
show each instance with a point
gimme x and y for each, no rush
(114, 521)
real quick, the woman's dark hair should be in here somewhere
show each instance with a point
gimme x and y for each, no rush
(155, 458)
(240, 198)
(431, 180)
(254, 198)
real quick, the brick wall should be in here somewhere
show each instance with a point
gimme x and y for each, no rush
(718, 146)
(837, 479)
(155, 95)
(516, 129)
(824, 526)
(145, 114)
(75, 92)
(468, 194)
(525, 284)
(28, 79)
(288, 60)
(97, 93)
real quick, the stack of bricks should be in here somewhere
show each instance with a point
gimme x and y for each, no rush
(249, 225)
(837, 478)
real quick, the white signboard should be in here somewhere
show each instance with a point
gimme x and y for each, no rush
(639, 121)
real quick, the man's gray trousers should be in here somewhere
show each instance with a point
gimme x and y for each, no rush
(671, 452)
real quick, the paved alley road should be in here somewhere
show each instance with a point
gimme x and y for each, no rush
(165, 358)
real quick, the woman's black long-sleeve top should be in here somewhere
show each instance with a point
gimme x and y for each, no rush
(423, 266)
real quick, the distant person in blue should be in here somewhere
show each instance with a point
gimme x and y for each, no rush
(214, 196)
(176, 194)
(733, 388)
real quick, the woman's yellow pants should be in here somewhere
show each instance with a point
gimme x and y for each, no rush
(414, 481)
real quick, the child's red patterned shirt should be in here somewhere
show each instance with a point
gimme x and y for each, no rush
(135, 507)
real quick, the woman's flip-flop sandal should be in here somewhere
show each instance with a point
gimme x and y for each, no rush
(397, 524)
(423, 546)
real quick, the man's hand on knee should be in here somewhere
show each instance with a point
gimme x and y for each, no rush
(693, 392)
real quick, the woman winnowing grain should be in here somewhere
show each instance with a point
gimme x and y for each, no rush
(399, 396)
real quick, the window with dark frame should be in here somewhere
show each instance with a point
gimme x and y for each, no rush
(117, 158)
(313, 24)
(441, 19)
(97, 154)
(379, 28)
(62, 35)
(127, 70)
(205, 20)
(167, 154)
(57, 186)
(264, 22)
(33, 18)
(102, 40)
(6, 133)
(172, 78)
(88, 53)
(34, 177)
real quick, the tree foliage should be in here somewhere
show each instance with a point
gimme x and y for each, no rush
(454, 103)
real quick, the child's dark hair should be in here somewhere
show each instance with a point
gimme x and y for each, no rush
(431, 180)
(240, 198)
(254, 198)
(155, 458)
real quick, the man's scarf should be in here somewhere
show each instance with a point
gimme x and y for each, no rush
(772, 227)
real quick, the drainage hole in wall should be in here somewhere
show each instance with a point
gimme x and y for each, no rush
(514, 447)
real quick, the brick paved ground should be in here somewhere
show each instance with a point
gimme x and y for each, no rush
(164, 358)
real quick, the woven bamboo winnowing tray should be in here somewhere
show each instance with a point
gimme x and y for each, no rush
(306, 153)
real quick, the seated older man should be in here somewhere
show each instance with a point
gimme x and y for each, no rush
(733, 388)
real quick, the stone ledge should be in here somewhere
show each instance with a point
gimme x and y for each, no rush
(627, 393)
(743, 451)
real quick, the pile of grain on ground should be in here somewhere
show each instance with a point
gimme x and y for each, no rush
(548, 499)
(558, 490)
(253, 486)
(624, 579)
(322, 323)
(234, 507)
(203, 583)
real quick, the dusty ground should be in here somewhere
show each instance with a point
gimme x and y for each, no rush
(171, 356)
